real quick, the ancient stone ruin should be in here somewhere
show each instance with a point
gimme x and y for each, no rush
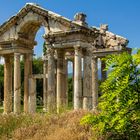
(65, 41)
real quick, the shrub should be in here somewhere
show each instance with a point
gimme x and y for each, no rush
(119, 106)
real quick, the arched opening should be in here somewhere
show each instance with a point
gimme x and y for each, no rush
(38, 66)
(33, 32)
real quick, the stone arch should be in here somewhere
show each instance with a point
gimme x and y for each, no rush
(17, 37)
(31, 23)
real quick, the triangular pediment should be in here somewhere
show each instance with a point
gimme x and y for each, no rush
(31, 17)
(24, 25)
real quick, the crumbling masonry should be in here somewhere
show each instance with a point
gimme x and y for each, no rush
(65, 40)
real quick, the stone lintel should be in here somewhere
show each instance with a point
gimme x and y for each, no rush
(70, 44)
(18, 41)
(70, 36)
(15, 50)
(104, 52)
(82, 31)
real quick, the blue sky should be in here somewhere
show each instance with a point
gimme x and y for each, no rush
(123, 16)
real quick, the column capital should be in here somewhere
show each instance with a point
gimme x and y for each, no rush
(77, 47)
(17, 55)
(50, 51)
(78, 50)
(94, 57)
(8, 58)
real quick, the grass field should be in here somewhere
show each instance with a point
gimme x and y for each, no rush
(64, 126)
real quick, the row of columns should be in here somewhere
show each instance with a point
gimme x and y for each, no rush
(8, 90)
(86, 96)
(55, 95)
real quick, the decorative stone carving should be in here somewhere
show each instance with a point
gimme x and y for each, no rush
(50, 51)
(103, 28)
(81, 19)
(17, 35)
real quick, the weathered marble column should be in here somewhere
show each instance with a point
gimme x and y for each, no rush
(77, 79)
(51, 101)
(87, 82)
(61, 92)
(103, 72)
(94, 66)
(66, 82)
(8, 85)
(73, 80)
(45, 71)
(32, 95)
(27, 72)
(17, 83)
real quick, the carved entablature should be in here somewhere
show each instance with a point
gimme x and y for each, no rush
(108, 39)
(80, 18)
(60, 32)
(50, 51)
(112, 40)
(28, 21)
(72, 37)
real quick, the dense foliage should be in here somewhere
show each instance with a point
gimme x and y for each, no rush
(119, 106)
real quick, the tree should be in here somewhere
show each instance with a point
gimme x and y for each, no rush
(119, 106)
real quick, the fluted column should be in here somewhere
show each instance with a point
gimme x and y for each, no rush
(27, 72)
(94, 66)
(103, 72)
(61, 92)
(73, 81)
(66, 82)
(51, 101)
(32, 95)
(45, 71)
(8, 84)
(77, 79)
(17, 83)
(87, 89)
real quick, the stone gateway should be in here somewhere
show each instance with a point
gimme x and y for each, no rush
(64, 40)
